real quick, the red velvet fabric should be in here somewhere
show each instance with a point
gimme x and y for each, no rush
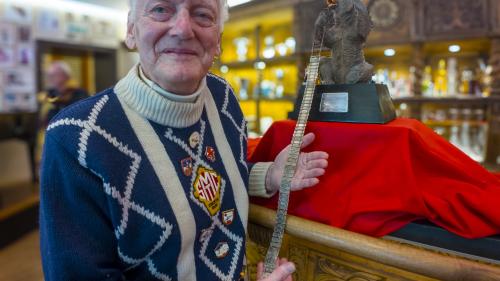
(380, 177)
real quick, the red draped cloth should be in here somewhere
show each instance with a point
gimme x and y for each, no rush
(380, 177)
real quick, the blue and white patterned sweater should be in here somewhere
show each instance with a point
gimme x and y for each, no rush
(142, 188)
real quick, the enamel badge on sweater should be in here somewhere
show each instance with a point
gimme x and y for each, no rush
(206, 189)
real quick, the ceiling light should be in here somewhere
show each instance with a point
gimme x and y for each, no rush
(454, 48)
(389, 52)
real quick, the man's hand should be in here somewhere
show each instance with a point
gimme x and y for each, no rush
(283, 271)
(310, 166)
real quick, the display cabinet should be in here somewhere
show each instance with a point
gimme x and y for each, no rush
(259, 60)
(440, 60)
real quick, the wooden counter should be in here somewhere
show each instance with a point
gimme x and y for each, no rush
(322, 253)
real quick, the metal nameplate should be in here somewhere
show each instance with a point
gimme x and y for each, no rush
(334, 102)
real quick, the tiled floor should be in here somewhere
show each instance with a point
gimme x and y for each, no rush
(21, 260)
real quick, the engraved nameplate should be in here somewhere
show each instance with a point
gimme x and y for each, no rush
(334, 102)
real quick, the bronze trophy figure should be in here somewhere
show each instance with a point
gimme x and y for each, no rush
(346, 26)
(346, 93)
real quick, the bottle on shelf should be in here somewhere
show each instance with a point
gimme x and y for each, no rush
(440, 87)
(244, 85)
(478, 134)
(453, 114)
(269, 51)
(466, 77)
(452, 77)
(280, 89)
(427, 84)
(241, 47)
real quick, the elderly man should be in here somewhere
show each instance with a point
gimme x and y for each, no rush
(149, 180)
(62, 91)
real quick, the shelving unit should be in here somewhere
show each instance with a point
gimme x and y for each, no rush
(265, 84)
(406, 28)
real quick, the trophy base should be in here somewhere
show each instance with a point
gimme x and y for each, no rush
(354, 103)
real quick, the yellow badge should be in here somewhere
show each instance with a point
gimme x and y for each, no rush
(206, 189)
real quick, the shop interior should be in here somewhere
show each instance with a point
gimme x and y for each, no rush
(439, 59)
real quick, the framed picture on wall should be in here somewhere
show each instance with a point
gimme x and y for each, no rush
(24, 34)
(19, 80)
(49, 24)
(15, 12)
(7, 34)
(77, 27)
(24, 55)
(15, 101)
(103, 29)
(7, 57)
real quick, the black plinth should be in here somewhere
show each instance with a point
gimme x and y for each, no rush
(428, 235)
(355, 103)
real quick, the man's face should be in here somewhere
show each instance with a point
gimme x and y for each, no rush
(176, 39)
(56, 78)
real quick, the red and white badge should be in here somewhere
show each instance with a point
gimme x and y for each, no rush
(221, 250)
(210, 153)
(228, 217)
(187, 166)
(206, 189)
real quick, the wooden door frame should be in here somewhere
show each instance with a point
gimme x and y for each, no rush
(43, 47)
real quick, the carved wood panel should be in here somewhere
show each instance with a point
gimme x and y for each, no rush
(315, 263)
(393, 21)
(305, 14)
(445, 18)
(495, 16)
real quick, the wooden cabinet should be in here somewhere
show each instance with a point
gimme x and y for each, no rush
(321, 253)
(445, 19)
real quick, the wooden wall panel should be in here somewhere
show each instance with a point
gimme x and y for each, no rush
(394, 21)
(445, 19)
(305, 14)
(495, 16)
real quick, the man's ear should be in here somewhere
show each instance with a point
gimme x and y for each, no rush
(218, 52)
(130, 38)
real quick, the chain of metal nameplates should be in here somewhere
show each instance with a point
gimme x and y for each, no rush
(291, 162)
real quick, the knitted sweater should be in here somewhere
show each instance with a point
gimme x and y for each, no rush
(135, 186)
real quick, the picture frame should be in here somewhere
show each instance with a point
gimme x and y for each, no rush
(24, 55)
(21, 14)
(49, 24)
(7, 34)
(7, 57)
(19, 79)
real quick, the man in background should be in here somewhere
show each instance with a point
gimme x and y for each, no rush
(62, 90)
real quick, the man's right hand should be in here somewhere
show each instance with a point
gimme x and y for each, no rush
(283, 271)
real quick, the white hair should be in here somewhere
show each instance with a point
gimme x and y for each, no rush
(63, 66)
(222, 5)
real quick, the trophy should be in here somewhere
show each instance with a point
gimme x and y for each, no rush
(346, 92)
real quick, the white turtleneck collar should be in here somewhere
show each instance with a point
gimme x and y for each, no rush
(156, 104)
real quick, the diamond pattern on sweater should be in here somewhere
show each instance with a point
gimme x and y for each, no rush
(234, 258)
(239, 126)
(90, 127)
(198, 160)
